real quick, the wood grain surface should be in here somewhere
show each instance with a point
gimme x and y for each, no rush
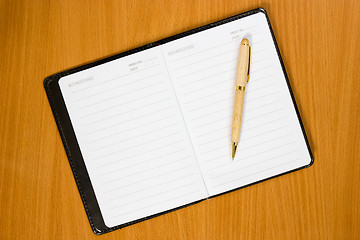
(320, 45)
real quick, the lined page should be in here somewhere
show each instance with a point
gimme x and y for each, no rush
(203, 70)
(132, 137)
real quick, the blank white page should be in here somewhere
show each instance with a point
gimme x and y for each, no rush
(132, 137)
(202, 67)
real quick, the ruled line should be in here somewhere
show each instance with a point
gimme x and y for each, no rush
(125, 149)
(138, 172)
(257, 52)
(222, 156)
(126, 112)
(207, 77)
(255, 80)
(212, 122)
(267, 151)
(145, 161)
(136, 155)
(218, 83)
(146, 179)
(203, 60)
(212, 131)
(265, 170)
(248, 157)
(214, 149)
(133, 137)
(214, 140)
(208, 67)
(262, 115)
(132, 91)
(128, 120)
(210, 104)
(129, 129)
(121, 104)
(262, 133)
(262, 96)
(247, 148)
(264, 124)
(245, 139)
(131, 101)
(250, 90)
(259, 70)
(236, 163)
(211, 113)
(262, 106)
(207, 96)
(245, 129)
(207, 86)
(269, 140)
(259, 60)
(143, 144)
(115, 106)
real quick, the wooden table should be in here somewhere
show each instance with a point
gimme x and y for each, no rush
(320, 46)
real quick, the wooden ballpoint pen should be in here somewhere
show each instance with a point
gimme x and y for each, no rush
(242, 77)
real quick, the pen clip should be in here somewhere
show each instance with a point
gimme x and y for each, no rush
(248, 73)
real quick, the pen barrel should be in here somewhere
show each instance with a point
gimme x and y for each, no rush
(243, 65)
(237, 115)
(241, 80)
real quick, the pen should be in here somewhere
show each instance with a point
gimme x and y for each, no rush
(242, 77)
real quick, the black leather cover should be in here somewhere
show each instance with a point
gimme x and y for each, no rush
(71, 145)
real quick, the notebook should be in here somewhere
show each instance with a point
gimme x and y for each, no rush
(148, 131)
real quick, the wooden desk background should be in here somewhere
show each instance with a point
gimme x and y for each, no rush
(320, 45)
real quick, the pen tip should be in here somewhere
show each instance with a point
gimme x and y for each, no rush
(233, 149)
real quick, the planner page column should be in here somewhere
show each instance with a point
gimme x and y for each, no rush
(202, 67)
(132, 137)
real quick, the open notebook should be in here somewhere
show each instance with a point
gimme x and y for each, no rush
(148, 131)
